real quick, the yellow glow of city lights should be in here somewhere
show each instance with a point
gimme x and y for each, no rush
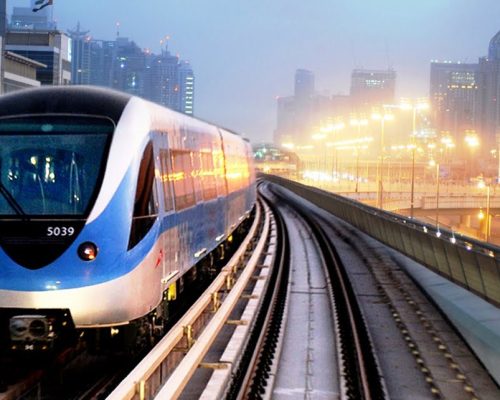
(358, 122)
(327, 128)
(343, 143)
(481, 185)
(385, 117)
(418, 105)
(448, 142)
(472, 140)
(432, 163)
(318, 136)
(480, 215)
(288, 145)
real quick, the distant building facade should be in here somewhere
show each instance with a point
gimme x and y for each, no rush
(170, 82)
(23, 18)
(50, 48)
(371, 88)
(19, 72)
(81, 46)
(122, 65)
(466, 98)
(454, 97)
(489, 102)
(299, 115)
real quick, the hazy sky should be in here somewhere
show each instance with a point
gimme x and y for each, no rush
(245, 53)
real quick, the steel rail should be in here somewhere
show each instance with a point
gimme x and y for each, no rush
(261, 348)
(360, 376)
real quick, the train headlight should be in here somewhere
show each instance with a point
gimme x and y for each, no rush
(87, 251)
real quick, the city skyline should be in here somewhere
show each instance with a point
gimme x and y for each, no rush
(246, 54)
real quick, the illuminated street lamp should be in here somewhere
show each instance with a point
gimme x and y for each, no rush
(382, 118)
(414, 107)
(483, 185)
(432, 164)
(358, 123)
(472, 142)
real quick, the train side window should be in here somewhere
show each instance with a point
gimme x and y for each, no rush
(197, 174)
(182, 179)
(208, 176)
(145, 208)
(165, 179)
(220, 172)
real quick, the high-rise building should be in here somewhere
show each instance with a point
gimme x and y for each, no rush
(466, 97)
(102, 61)
(489, 102)
(371, 88)
(81, 47)
(454, 95)
(299, 115)
(186, 80)
(304, 84)
(23, 18)
(129, 67)
(50, 48)
(170, 82)
(163, 87)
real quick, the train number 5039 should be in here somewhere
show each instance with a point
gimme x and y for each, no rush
(60, 231)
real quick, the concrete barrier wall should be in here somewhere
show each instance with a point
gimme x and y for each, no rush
(472, 264)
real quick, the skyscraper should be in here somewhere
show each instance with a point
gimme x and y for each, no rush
(454, 95)
(170, 82)
(466, 97)
(23, 18)
(186, 80)
(371, 88)
(81, 53)
(49, 48)
(300, 114)
(304, 84)
(489, 102)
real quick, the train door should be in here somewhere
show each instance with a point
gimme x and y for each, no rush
(169, 244)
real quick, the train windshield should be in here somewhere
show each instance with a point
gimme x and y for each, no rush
(51, 165)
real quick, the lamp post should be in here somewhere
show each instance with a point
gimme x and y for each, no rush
(358, 123)
(382, 118)
(472, 141)
(414, 107)
(433, 163)
(487, 233)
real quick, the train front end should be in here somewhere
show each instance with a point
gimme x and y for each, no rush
(69, 161)
(51, 167)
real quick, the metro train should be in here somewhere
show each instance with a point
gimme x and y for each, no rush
(107, 201)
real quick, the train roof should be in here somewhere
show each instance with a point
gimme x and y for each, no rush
(88, 100)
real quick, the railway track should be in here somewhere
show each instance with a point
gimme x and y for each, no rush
(402, 336)
(356, 364)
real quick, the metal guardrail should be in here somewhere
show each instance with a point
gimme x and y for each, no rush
(159, 376)
(472, 264)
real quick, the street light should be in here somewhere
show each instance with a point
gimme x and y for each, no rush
(472, 141)
(382, 118)
(419, 105)
(434, 163)
(483, 185)
(358, 123)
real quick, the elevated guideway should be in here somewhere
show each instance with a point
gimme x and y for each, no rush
(462, 274)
